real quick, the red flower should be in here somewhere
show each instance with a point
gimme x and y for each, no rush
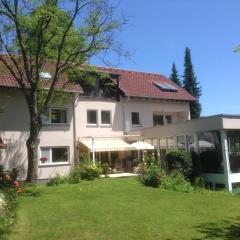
(43, 159)
(17, 184)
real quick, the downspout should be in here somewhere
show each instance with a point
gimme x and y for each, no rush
(75, 155)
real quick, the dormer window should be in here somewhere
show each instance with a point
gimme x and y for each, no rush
(166, 86)
(45, 75)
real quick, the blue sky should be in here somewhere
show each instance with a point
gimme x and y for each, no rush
(159, 30)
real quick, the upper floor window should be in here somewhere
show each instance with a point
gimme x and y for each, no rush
(92, 117)
(55, 116)
(106, 117)
(135, 118)
(157, 120)
(168, 119)
(54, 155)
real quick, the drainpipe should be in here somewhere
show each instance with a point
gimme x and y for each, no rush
(93, 151)
(75, 155)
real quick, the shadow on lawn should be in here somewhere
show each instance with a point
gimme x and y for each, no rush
(228, 229)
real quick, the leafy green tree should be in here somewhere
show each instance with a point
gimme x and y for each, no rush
(66, 33)
(174, 75)
(191, 85)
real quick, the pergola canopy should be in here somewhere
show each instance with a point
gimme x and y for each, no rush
(106, 144)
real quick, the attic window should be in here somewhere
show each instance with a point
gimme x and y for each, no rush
(45, 75)
(166, 87)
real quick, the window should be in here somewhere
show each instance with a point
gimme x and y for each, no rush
(54, 155)
(106, 117)
(92, 116)
(135, 118)
(157, 120)
(168, 119)
(55, 116)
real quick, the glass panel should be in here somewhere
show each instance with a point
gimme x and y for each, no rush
(170, 143)
(181, 143)
(210, 152)
(135, 118)
(155, 143)
(191, 145)
(45, 156)
(149, 140)
(234, 150)
(59, 155)
(92, 117)
(168, 119)
(163, 143)
(157, 120)
(105, 117)
(58, 116)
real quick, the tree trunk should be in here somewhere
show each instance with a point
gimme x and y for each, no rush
(32, 149)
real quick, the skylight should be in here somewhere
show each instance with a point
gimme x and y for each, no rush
(166, 87)
(45, 75)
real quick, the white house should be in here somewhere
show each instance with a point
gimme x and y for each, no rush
(94, 124)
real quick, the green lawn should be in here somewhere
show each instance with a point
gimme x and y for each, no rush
(108, 209)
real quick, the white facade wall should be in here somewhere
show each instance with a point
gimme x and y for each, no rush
(121, 121)
(14, 126)
(14, 129)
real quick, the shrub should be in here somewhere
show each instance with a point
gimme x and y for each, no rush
(57, 180)
(8, 178)
(8, 207)
(150, 159)
(106, 170)
(150, 175)
(89, 170)
(199, 183)
(74, 176)
(175, 181)
(180, 161)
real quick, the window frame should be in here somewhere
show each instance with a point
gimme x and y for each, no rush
(110, 117)
(158, 114)
(139, 120)
(49, 120)
(51, 163)
(93, 124)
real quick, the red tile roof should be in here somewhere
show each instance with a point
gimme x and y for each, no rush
(140, 84)
(7, 80)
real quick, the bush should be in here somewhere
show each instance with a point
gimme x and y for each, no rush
(150, 159)
(8, 207)
(175, 181)
(8, 178)
(89, 170)
(106, 170)
(150, 175)
(57, 180)
(199, 183)
(74, 176)
(180, 161)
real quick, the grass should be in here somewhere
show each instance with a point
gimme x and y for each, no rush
(119, 209)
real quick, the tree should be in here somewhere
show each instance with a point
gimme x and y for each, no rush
(191, 85)
(174, 75)
(64, 33)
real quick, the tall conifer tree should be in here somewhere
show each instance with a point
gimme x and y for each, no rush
(191, 85)
(174, 75)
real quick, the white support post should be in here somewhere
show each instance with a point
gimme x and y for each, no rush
(158, 152)
(93, 151)
(226, 162)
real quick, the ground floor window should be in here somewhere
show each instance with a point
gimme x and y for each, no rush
(54, 155)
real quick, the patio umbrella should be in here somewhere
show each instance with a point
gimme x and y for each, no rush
(142, 146)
